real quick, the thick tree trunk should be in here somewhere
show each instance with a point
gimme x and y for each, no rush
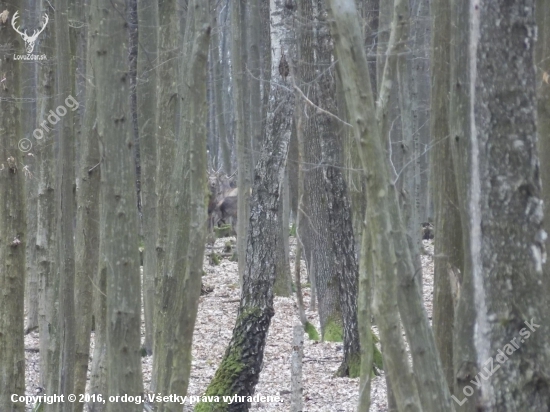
(506, 211)
(118, 210)
(169, 42)
(187, 237)
(12, 224)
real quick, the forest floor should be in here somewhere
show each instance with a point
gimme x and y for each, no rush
(322, 392)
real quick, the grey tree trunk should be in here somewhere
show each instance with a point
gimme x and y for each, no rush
(448, 256)
(65, 206)
(169, 41)
(464, 357)
(345, 268)
(187, 238)
(542, 62)
(28, 108)
(420, 92)
(315, 227)
(239, 58)
(364, 315)
(98, 373)
(218, 91)
(240, 368)
(506, 211)
(118, 211)
(46, 233)
(147, 117)
(86, 235)
(254, 74)
(12, 224)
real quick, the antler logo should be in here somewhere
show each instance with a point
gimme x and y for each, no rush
(29, 40)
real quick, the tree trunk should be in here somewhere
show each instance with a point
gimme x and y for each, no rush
(189, 203)
(448, 256)
(239, 58)
(506, 211)
(46, 233)
(217, 59)
(464, 357)
(148, 20)
(12, 225)
(169, 41)
(86, 234)
(118, 210)
(65, 202)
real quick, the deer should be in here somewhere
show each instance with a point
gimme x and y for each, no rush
(222, 205)
(29, 40)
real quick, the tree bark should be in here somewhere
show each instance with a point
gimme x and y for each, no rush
(506, 210)
(189, 209)
(12, 225)
(147, 116)
(86, 234)
(46, 233)
(65, 202)
(239, 59)
(169, 39)
(448, 256)
(118, 210)
(464, 357)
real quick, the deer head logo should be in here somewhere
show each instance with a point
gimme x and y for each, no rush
(29, 40)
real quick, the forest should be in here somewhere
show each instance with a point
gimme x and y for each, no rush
(283, 205)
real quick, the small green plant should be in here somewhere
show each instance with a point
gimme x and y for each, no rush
(311, 332)
(215, 259)
(223, 231)
(292, 230)
(228, 247)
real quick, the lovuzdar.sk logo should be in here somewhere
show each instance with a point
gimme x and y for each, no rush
(29, 39)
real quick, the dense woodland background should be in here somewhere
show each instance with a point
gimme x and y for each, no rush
(359, 128)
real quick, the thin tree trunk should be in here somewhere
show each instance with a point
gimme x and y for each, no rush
(148, 20)
(239, 58)
(448, 256)
(12, 226)
(65, 206)
(46, 233)
(218, 74)
(86, 235)
(464, 356)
